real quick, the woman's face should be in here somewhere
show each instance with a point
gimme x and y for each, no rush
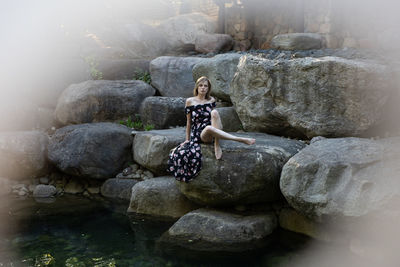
(203, 88)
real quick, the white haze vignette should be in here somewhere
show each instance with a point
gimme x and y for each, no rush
(32, 35)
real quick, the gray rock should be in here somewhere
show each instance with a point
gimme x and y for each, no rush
(96, 101)
(74, 187)
(42, 190)
(122, 69)
(297, 41)
(229, 119)
(292, 220)
(163, 112)
(212, 230)
(172, 76)
(181, 31)
(95, 150)
(220, 70)
(151, 148)
(307, 97)
(244, 174)
(139, 40)
(344, 178)
(159, 197)
(23, 154)
(118, 188)
(213, 43)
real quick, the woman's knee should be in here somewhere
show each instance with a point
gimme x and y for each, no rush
(209, 129)
(214, 113)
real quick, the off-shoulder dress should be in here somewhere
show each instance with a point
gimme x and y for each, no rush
(185, 160)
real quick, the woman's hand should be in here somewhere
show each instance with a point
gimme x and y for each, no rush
(186, 141)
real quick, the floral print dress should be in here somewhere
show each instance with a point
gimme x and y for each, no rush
(185, 160)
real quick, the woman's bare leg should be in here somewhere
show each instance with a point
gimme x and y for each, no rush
(209, 132)
(216, 123)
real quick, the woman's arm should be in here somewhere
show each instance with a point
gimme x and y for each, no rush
(188, 121)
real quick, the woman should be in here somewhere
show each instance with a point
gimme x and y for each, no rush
(203, 124)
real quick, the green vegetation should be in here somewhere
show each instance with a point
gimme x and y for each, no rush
(93, 64)
(136, 124)
(148, 127)
(142, 75)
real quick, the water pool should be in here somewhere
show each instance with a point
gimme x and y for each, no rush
(77, 231)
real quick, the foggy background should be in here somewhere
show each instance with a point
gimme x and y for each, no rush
(41, 43)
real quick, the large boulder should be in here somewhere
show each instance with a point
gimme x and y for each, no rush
(181, 31)
(23, 154)
(297, 41)
(217, 231)
(96, 101)
(119, 189)
(344, 178)
(307, 97)
(220, 70)
(151, 148)
(229, 119)
(213, 43)
(244, 174)
(159, 197)
(163, 112)
(172, 76)
(94, 150)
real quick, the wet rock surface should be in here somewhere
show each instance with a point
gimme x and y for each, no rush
(212, 230)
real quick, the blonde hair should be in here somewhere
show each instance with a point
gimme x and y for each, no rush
(199, 80)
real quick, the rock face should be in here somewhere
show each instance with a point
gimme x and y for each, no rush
(122, 69)
(212, 230)
(297, 41)
(220, 70)
(163, 112)
(306, 97)
(96, 101)
(151, 149)
(343, 178)
(229, 119)
(141, 40)
(95, 150)
(172, 76)
(159, 197)
(23, 154)
(118, 188)
(244, 174)
(213, 43)
(181, 31)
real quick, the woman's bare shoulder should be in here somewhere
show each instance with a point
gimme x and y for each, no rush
(212, 99)
(189, 101)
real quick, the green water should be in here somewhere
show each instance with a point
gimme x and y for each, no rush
(75, 231)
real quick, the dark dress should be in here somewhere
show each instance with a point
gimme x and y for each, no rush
(185, 160)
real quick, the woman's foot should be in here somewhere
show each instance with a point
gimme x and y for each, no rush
(248, 141)
(218, 151)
